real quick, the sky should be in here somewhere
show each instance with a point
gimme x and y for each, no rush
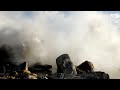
(113, 12)
(66, 13)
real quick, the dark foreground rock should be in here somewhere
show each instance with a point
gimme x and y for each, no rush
(39, 67)
(65, 65)
(91, 75)
(65, 70)
(21, 67)
(86, 66)
(22, 72)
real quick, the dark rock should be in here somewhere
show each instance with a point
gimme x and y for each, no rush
(90, 75)
(56, 76)
(42, 76)
(21, 67)
(14, 73)
(27, 75)
(85, 67)
(65, 65)
(95, 75)
(40, 68)
(7, 67)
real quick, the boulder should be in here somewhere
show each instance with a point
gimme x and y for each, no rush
(65, 65)
(14, 73)
(22, 67)
(56, 76)
(86, 66)
(39, 67)
(85, 75)
(42, 76)
(95, 75)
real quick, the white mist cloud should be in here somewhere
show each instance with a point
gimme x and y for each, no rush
(45, 35)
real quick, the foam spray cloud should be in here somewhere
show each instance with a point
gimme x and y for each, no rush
(45, 35)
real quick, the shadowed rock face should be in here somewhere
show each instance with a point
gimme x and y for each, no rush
(86, 66)
(22, 67)
(65, 65)
(65, 70)
(40, 67)
(84, 70)
(84, 75)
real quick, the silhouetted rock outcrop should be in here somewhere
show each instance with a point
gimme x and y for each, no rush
(65, 65)
(22, 67)
(65, 70)
(86, 66)
(39, 67)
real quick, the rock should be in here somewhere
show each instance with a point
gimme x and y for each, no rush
(26, 72)
(85, 67)
(56, 76)
(37, 68)
(65, 65)
(42, 76)
(31, 77)
(14, 73)
(90, 75)
(27, 75)
(95, 75)
(22, 67)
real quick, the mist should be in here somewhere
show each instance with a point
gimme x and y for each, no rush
(45, 35)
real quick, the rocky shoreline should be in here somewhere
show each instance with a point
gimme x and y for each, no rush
(65, 70)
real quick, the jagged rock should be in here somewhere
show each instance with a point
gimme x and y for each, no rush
(56, 76)
(38, 68)
(7, 68)
(24, 73)
(42, 76)
(86, 66)
(65, 65)
(32, 77)
(14, 73)
(27, 75)
(22, 67)
(90, 75)
(95, 75)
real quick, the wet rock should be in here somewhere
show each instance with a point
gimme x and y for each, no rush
(7, 68)
(14, 73)
(42, 76)
(9, 77)
(85, 67)
(56, 76)
(31, 77)
(41, 70)
(90, 75)
(26, 74)
(39, 67)
(23, 72)
(95, 75)
(65, 65)
(22, 67)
